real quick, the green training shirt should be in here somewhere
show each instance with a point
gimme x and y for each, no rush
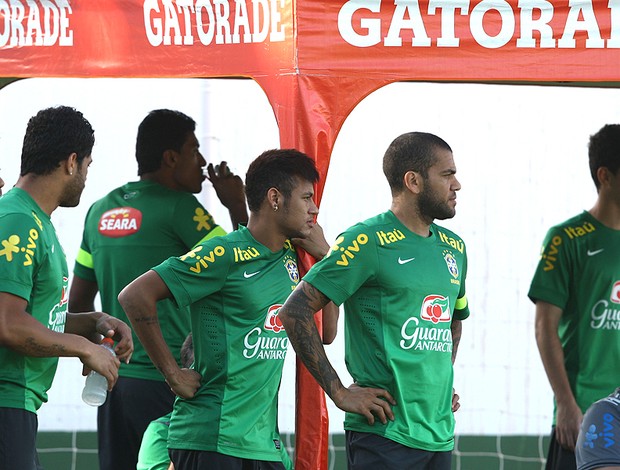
(579, 272)
(234, 288)
(32, 266)
(400, 293)
(126, 233)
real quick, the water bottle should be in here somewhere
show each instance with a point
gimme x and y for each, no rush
(96, 386)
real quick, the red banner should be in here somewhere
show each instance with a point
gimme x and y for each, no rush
(457, 40)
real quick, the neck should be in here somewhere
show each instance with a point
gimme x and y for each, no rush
(42, 190)
(265, 230)
(409, 215)
(607, 212)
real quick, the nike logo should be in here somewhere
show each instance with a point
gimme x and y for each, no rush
(247, 276)
(595, 252)
(404, 261)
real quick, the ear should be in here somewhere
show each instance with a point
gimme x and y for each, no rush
(71, 164)
(274, 198)
(413, 181)
(603, 175)
(169, 158)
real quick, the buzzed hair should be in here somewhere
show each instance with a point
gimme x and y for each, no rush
(413, 151)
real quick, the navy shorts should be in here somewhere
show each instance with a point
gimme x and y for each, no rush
(367, 451)
(18, 436)
(205, 460)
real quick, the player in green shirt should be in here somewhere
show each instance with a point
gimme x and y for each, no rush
(127, 232)
(402, 281)
(226, 413)
(35, 325)
(576, 288)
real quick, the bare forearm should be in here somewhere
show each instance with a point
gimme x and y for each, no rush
(330, 322)
(30, 338)
(297, 316)
(139, 300)
(552, 356)
(238, 214)
(456, 328)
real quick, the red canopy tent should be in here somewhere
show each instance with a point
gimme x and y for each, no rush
(315, 61)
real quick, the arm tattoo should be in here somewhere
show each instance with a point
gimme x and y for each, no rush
(456, 327)
(301, 306)
(32, 348)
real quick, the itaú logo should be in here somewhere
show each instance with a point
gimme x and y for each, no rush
(120, 222)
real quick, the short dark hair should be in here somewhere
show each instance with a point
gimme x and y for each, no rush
(277, 169)
(413, 151)
(187, 351)
(604, 151)
(51, 136)
(161, 130)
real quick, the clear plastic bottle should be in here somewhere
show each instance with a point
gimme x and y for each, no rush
(96, 386)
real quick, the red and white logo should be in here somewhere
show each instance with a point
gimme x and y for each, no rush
(272, 322)
(120, 222)
(435, 308)
(615, 293)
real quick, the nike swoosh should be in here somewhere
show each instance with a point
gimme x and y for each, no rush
(247, 276)
(595, 252)
(404, 261)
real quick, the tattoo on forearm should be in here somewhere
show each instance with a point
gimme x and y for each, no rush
(148, 319)
(304, 336)
(32, 348)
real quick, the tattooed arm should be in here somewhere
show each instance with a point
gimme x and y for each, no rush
(297, 316)
(22, 333)
(139, 300)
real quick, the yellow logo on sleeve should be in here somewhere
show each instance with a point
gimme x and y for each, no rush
(9, 247)
(203, 219)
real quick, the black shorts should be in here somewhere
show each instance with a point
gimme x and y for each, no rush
(18, 436)
(205, 460)
(367, 451)
(122, 419)
(559, 458)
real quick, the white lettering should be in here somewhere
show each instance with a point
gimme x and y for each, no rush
(30, 23)
(603, 317)
(360, 23)
(574, 24)
(167, 22)
(261, 347)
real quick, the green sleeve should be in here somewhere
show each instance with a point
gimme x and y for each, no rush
(350, 262)
(193, 222)
(551, 278)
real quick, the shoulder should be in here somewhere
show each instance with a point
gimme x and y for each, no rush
(448, 237)
(574, 229)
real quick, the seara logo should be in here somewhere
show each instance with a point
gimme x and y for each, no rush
(120, 222)
(435, 308)
(272, 322)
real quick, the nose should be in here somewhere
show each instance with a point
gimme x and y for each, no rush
(457, 185)
(203, 162)
(314, 209)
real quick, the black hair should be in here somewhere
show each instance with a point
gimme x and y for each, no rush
(161, 130)
(413, 151)
(604, 151)
(51, 136)
(277, 169)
